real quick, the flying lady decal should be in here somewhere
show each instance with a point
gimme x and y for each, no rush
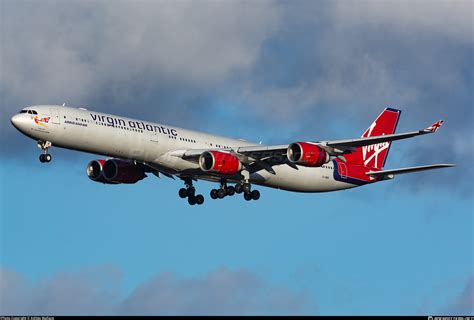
(42, 121)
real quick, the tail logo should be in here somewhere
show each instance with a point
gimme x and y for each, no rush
(376, 149)
(372, 151)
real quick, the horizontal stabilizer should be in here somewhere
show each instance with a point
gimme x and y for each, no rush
(388, 174)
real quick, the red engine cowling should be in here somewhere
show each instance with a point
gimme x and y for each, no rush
(120, 171)
(114, 171)
(219, 162)
(307, 154)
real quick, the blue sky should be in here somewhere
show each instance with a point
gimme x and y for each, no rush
(275, 72)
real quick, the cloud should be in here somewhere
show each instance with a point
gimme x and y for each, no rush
(77, 50)
(220, 292)
(143, 57)
(96, 291)
(354, 56)
(463, 304)
(444, 18)
(91, 291)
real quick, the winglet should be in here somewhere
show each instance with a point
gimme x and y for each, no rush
(435, 126)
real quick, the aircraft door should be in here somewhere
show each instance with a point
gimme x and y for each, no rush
(342, 168)
(55, 116)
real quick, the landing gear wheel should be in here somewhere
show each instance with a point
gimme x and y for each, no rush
(191, 191)
(247, 196)
(238, 188)
(246, 187)
(214, 194)
(44, 146)
(45, 158)
(192, 201)
(230, 191)
(255, 194)
(221, 193)
(199, 199)
(183, 193)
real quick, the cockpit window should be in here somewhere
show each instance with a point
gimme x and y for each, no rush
(29, 111)
(23, 111)
(34, 112)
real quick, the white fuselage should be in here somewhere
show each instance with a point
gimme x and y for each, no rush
(157, 145)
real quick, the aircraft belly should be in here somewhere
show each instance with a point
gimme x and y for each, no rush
(305, 179)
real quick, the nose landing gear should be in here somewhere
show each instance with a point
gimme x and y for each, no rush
(45, 145)
(45, 157)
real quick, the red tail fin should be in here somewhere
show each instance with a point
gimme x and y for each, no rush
(374, 156)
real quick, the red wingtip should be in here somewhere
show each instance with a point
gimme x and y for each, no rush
(435, 126)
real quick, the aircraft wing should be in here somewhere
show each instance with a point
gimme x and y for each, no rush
(388, 174)
(335, 147)
(250, 152)
(344, 146)
(258, 157)
(264, 157)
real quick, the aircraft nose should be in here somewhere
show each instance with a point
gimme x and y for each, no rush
(16, 120)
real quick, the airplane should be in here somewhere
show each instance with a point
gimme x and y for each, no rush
(134, 148)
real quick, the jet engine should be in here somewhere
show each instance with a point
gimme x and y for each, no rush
(219, 162)
(95, 171)
(114, 171)
(307, 154)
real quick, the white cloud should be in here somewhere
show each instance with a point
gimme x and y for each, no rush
(96, 291)
(463, 304)
(366, 54)
(55, 51)
(91, 291)
(195, 42)
(363, 81)
(452, 19)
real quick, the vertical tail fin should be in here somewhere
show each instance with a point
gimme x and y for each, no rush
(374, 156)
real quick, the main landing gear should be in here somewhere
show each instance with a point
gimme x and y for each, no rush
(44, 145)
(244, 188)
(189, 192)
(223, 191)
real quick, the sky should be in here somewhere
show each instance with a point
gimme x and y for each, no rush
(270, 71)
